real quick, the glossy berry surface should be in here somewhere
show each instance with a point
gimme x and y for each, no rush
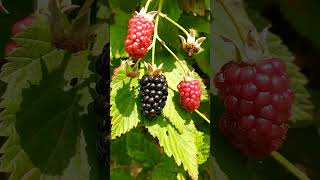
(190, 94)
(22, 24)
(258, 102)
(139, 36)
(153, 94)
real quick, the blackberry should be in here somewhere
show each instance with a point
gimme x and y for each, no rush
(102, 87)
(103, 63)
(258, 102)
(153, 92)
(102, 106)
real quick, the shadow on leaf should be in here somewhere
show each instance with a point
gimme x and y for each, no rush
(48, 121)
(125, 100)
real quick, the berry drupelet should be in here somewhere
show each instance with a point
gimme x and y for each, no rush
(153, 92)
(258, 102)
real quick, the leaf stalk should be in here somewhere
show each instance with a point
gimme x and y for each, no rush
(289, 166)
(174, 23)
(155, 34)
(203, 116)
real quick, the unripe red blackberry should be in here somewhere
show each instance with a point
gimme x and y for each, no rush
(190, 93)
(153, 93)
(139, 34)
(10, 48)
(22, 24)
(115, 71)
(258, 102)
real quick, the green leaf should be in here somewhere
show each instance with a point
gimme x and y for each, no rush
(170, 8)
(103, 11)
(124, 5)
(118, 150)
(120, 175)
(119, 33)
(166, 168)
(302, 110)
(123, 104)
(179, 145)
(203, 58)
(195, 22)
(50, 122)
(169, 34)
(41, 91)
(203, 147)
(138, 146)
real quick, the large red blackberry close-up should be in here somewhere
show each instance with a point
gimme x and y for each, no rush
(258, 102)
(139, 35)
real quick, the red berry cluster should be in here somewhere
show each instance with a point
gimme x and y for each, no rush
(139, 36)
(258, 101)
(190, 94)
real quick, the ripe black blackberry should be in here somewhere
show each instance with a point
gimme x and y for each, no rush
(102, 105)
(103, 63)
(103, 87)
(153, 92)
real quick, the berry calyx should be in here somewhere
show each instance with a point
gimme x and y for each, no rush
(192, 45)
(190, 93)
(153, 92)
(258, 102)
(22, 25)
(139, 34)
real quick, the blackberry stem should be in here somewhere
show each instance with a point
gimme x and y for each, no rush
(289, 166)
(174, 23)
(147, 5)
(172, 53)
(136, 64)
(155, 35)
(3, 9)
(202, 115)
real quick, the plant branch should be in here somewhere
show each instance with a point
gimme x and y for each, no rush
(155, 34)
(202, 115)
(289, 166)
(172, 53)
(147, 5)
(174, 23)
